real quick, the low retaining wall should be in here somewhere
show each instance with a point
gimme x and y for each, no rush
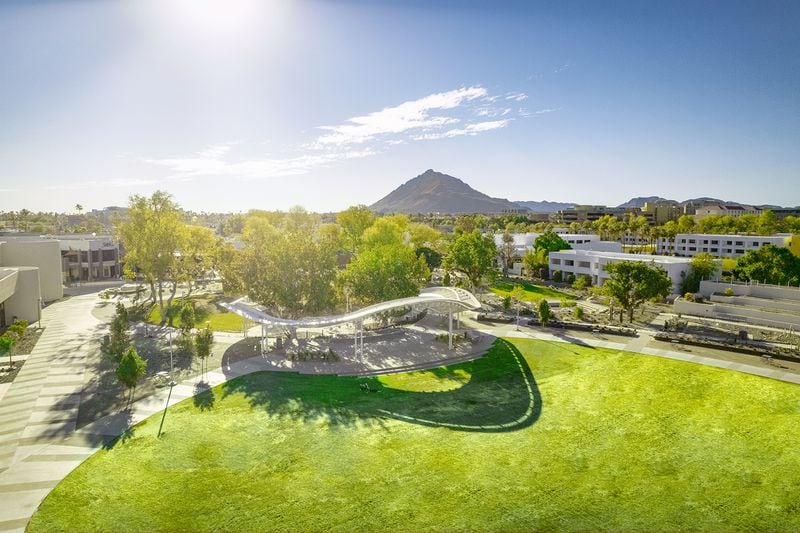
(740, 314)
(707, 288)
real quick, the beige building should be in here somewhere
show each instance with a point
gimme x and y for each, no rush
(30, 275)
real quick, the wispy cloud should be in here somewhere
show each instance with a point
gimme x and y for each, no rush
(522, 112)
(412, 115)
(519, 97)
(455, 113)
(470, 129)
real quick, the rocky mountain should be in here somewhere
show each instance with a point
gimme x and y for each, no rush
(545, 206)
(639, 201)
(434, 192)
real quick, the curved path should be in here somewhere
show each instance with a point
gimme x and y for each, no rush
(39, 445)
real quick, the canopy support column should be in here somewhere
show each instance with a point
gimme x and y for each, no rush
(450, 329)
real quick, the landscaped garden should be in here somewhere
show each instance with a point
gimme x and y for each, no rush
(532, 292)
(206, 310)
(536, 435)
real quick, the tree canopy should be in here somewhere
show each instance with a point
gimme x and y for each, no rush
(550, 241)
(703, 266)
(769, 264)
(474, 255)
(287, 268)
(634, 282)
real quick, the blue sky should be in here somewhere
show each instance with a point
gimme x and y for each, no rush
(240, 104)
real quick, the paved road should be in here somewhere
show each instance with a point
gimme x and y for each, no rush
(39, 444)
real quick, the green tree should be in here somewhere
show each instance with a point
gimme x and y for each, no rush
(119, 341)
(474, 255)
(703, 267)
(634, 282)
(152, 236)
(535, 264)
(389, 230)
(518, 295)
(767, 223)
(769, 264)
(422, 235)
(287, 268)
(204, 340)
(545, 314)
(686, 224)
(187, 316)
(384, 273)
(354, 221)
(506, 253)
(550, 241)
(130, 370)
(6, 343)
(432, 257)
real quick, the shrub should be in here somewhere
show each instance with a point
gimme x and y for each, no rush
(545, 315)
(578, 313)
(557, 275)
(23, 323)
(507, 303)
(526, 311)
(568, 303)
(570, 278)
(186, 344)
(728, 292)
(17, 329)
(689, 297)
(582, 282)
(187, 316)
(446, 279)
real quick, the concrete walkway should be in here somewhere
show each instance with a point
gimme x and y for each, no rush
(39, 444)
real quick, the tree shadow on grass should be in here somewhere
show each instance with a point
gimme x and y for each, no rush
(500, 395)
(203, 397)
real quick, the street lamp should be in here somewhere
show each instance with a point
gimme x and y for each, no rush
(171, 366)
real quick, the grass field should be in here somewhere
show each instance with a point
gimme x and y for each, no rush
(205, 311)
(535, 436)
(533, 293)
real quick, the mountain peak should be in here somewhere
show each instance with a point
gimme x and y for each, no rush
(436, 192)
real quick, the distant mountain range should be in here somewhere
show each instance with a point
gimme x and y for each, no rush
(435, 192)
(545, 206)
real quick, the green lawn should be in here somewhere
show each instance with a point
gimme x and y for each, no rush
(535, 436)
(533, 293)
(205, 311)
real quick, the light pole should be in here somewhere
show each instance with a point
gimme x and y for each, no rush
(171, 367)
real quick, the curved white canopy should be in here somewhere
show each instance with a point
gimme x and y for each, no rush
(437, 298)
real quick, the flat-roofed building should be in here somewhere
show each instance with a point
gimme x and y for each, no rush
(522, 242)
(592, 263)
(89, 257)
(691, 244)
(30, 274)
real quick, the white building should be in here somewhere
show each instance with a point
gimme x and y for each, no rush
(578, 241)
(30, 274)
(592, 263)
(691, 244)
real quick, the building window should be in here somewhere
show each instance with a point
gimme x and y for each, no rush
(729, 243)
(714, 250)
(714, 242)
(691, 241)
(569, 262)
(556, 261)
(739, 243)
(740, 252)
(692, 249)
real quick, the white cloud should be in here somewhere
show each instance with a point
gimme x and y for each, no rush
(518, 97)
(470, 129)
(185, 168)
(412, 115)
(525, 113)
(435, 116)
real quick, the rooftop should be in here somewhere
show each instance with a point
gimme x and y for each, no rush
(628, 257)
